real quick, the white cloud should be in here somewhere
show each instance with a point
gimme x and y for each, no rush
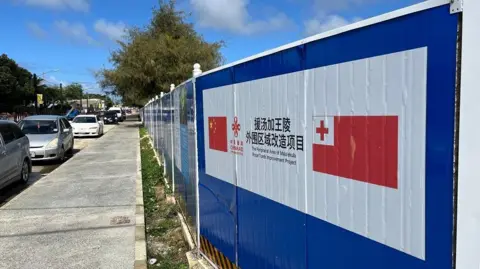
(36, 29)
(74, 31)
(91, 87)
(335, 5)
(77, 5)
(233, 15)
(114, 31)
(326, 23)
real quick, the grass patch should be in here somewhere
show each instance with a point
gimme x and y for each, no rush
(165, 240)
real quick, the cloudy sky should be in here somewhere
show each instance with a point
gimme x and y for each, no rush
(76, 36)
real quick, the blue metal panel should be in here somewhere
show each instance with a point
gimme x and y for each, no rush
(435, 29)
(191, 182)
(279, 63)
(217, 198)
(157, 124)
(167, 125)
(217, 213)
(270, 235)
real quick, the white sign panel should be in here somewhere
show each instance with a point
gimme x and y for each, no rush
(344, 143)
(366, 165)
(218, 113)
(272, 114)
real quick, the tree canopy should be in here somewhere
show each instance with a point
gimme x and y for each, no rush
(74, 91)
(153, 57)
(15, 84)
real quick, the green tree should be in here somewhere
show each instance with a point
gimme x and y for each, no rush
(15, 84)
(160, 54)
(53, 94)
(73, 91)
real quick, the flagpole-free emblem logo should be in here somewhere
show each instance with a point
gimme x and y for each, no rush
(235, 126)
(236, 145)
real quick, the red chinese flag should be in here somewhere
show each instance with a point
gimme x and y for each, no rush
(363, 148)
(217, 133)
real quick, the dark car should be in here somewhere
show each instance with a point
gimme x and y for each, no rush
(110, 117)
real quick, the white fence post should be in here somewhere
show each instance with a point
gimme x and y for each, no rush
(196, 72)
(163, 136)
(468, 206)
(155, 124)
(172, 106)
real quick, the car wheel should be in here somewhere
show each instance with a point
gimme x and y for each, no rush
(61, 155)
(25, 174)
(70, 151)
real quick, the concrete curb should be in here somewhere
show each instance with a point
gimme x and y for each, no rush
(186, 232)
(197, 261)
(140, 238)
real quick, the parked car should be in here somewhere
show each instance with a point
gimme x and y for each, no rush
(51, 137)
(15, 162)
(118, 110)
(87, 125)
(110, 117)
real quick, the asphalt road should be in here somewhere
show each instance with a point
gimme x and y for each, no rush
(41, 169)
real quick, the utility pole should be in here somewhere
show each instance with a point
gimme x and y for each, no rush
(61, 92)
(35, 90)
(62, 102)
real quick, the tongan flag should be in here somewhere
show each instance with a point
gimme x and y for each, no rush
(362, 148)
(217, 133)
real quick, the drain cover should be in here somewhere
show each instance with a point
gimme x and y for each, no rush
(118, 220)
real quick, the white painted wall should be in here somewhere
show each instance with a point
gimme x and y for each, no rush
(468, 222)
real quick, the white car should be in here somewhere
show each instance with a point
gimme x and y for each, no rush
(87, 125)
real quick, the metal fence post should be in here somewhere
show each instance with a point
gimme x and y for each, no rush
(172, 105)
(162, 127)
(197, 71)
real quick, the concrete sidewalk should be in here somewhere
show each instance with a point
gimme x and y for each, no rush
(82, 215)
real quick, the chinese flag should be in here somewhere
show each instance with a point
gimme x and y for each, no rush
(363, 148)
(217, 133)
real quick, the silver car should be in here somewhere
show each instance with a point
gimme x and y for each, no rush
(15, 162)
(51, 137)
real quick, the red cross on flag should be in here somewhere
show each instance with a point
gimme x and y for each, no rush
(323, 130)
(362, 148)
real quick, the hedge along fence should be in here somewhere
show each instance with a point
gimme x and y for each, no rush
(170, 121)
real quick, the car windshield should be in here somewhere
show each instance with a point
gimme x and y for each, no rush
(110, 113)
(39, 127)
(84, 120)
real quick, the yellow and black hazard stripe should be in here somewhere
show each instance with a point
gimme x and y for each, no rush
(215, 255)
